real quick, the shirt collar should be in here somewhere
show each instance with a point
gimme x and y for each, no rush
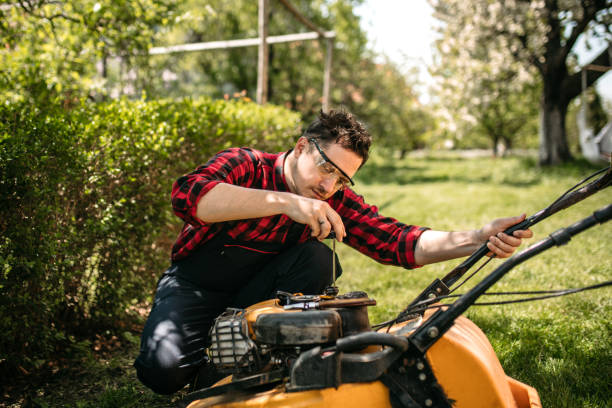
(279, 180)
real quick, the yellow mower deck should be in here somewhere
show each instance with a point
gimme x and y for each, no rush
(463, 361)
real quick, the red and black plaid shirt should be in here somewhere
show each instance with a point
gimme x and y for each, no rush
(381, 238)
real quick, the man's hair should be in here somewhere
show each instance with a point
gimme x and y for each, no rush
(339, 126)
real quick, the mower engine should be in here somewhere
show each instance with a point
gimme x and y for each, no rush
(272, 334)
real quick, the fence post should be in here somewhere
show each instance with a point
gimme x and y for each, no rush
(263, 55)
(327, 73)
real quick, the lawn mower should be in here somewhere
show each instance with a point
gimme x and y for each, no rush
(322, 351)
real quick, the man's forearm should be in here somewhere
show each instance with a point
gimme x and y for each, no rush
(227, 202)
(438, 246)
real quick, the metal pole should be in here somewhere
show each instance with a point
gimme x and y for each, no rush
(263, 55)
(583, 104)
(246, 42)
(327, 74)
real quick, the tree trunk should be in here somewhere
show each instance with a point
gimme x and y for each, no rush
(507, 144)
(553, 140)
(495, 140)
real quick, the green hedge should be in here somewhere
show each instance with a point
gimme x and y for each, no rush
(85, 218)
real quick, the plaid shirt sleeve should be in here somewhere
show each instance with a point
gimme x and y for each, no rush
(234, 166)
(382, 238)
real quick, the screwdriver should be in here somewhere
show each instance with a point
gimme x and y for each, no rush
(332, 290)
(333, 261)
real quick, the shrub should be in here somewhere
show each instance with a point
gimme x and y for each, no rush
(85, 215)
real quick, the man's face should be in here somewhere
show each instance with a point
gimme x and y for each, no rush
(314, 176)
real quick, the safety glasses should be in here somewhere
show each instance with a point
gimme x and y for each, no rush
(328, 168)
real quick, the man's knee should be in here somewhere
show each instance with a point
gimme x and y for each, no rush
(175, 336)
(163, 378)
(160, 365)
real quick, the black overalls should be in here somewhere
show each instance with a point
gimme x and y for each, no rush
(223, 273)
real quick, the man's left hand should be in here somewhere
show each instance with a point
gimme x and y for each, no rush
(503, 245)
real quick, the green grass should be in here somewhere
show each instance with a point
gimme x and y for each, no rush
(561, 346)
(85, 378)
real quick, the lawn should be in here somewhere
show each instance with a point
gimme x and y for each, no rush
(560, 346)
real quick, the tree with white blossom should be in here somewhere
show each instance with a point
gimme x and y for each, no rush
(480, 92)
(497, 44)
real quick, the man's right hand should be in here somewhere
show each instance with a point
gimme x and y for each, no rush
(317, 214)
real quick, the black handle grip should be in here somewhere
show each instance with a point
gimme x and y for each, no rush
(568, 199)
(422, 338)
(454, 275)
(526, 223)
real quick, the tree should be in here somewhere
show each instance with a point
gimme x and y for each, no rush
(59, 47)
(379, 93)
(295, 69)
(540, 34)
(481, 93)
(100, 49)
(385, 98)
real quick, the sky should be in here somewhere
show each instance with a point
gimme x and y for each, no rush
(403, 30)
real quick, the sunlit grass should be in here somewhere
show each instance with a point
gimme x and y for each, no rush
(559, 346)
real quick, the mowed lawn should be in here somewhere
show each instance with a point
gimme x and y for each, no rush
(561, 346)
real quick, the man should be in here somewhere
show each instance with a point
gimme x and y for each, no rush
(253, 225)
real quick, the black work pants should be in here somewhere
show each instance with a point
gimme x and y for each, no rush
(192, 293)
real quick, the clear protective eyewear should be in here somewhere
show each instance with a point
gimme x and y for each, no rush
(328, 168)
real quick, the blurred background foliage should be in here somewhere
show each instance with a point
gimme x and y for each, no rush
(99, 50)
(488, 92)
(492, 54)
